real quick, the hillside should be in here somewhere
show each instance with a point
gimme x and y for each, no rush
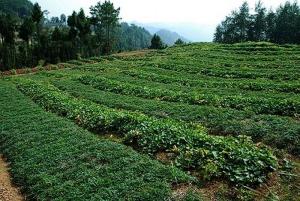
(169, 37)
(20, 8)
(202, 121)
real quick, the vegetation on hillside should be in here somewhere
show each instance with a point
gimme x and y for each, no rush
(19, 8)
(34, 40)
(280, 26)
(228, 137)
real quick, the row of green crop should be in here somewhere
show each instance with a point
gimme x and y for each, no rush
(240, 84)
(289, 107)
(116, 74)
(227, 73)
(238, 160)
(276, 131)
(53, 159)
(257, 62)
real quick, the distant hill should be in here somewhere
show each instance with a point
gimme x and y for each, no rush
(132, 37)
(20, 8)
(169, 37)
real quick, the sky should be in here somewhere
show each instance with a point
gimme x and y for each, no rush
(194, 19)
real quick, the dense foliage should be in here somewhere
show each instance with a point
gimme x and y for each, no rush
(132, 37)
(19, 8)
(281, 26)
(34, 40)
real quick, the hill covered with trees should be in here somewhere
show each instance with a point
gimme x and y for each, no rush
(20, 8)
(28, 39)
(280, 26)
(169, 37)
(132, 37)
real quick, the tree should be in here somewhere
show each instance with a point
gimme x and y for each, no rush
(242, 19)
(156, 42)
(282, 26)
(260, 22)
(286, 28)
(8, 26)
(63, 19)
(218, 36)
(26, 30)
(37, 14)
(270, 26)
(17, 8)
(82, 24)
(106, 17)
(179, 41)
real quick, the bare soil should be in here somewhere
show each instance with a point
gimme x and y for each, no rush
(8, 192)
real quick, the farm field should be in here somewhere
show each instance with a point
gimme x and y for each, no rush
(201, 121)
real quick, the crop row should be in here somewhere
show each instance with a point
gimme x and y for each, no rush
(227, 73)
(276, 131)
(236, 159)
(288, 107)
(241, 84)
(53, 159)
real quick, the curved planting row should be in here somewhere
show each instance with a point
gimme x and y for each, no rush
(288, 107)
(237, 160)
(276, 131)
(241, 84)
(216, 71)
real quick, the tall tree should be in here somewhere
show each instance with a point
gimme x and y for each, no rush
(282, 26)
(218, 36)
(260, 22)
(242, 20)
(270, 26)
(26, 30)
(156, 42)
(107, 17)
(37, 16)
(287, 23)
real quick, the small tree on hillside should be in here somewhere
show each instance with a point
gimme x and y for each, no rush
(156, 42)
(179, 41)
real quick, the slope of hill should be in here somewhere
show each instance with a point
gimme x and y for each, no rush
(227, 116)
(170, 37)
(132, 37)
(20, 8)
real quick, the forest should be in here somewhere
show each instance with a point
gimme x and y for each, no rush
(28, 38)
(281, 26)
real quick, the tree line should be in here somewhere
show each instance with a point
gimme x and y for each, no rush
(28, 38)
(280, 26)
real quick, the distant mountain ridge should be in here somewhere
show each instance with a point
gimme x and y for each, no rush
(169, 37)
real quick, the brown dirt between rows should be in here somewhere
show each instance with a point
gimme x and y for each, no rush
(8, 192)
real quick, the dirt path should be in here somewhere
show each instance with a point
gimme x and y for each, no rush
(7, 191)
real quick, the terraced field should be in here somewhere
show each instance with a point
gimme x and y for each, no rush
(193, 122)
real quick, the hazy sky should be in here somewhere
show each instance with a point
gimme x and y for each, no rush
(171, 13)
